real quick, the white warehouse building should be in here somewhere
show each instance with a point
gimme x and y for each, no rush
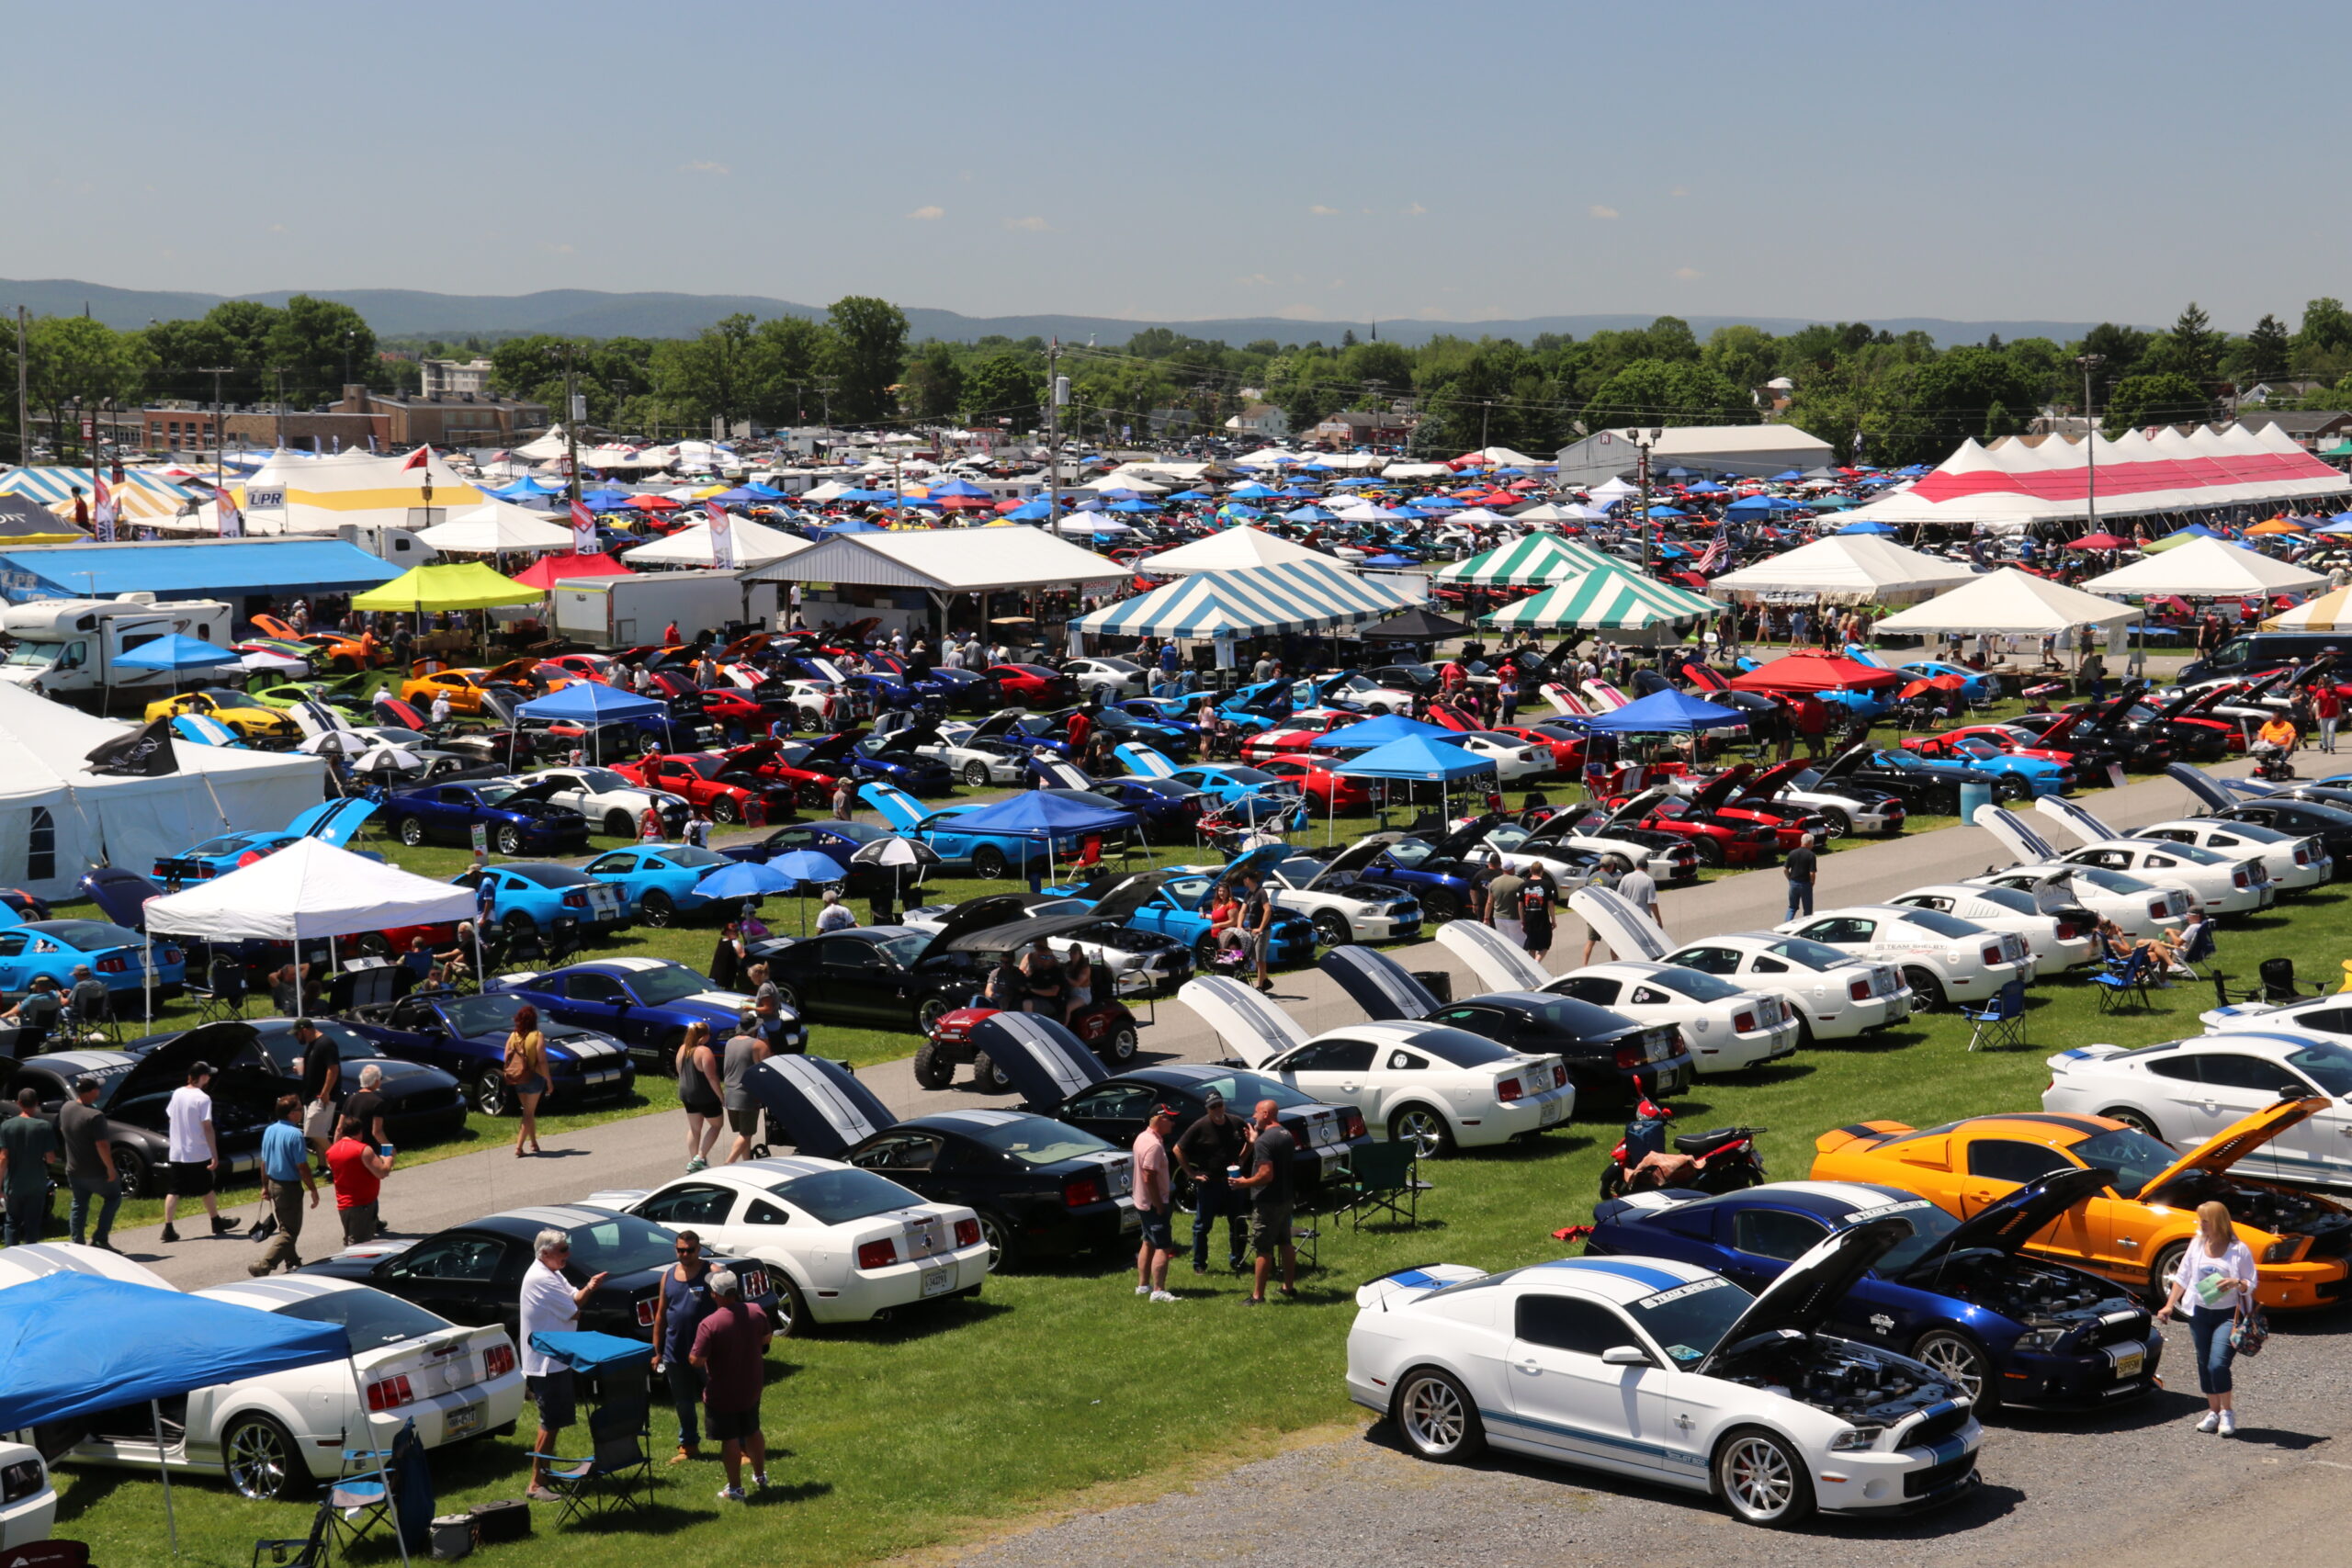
(1702, 451)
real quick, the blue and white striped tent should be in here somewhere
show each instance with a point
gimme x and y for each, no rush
(1250, 601)
(141, 494)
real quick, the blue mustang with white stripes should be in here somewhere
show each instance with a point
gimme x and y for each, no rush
(1956, 1295)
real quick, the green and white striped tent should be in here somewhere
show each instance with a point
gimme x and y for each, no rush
(1310, 595)
(1531, 558)
(1611, 599)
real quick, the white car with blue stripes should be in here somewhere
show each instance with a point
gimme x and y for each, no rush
(1665, 1371)
(2187, 1091)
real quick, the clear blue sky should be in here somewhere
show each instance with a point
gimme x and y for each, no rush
(1341, 161)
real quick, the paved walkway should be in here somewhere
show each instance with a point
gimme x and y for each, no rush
(647, 1150)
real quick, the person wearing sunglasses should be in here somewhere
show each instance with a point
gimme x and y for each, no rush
(678, 1311)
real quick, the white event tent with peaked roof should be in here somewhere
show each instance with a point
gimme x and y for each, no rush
(1231, 549)
(755, 543)
(2012, 603)
(1845, 569)
(307, 889)
(2206, 568)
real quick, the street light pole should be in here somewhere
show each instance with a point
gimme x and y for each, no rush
(1054, 437)
(219, 438)
(1643, 441)
(2090, 363)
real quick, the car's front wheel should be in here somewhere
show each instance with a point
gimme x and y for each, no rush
(619, 825)
(1760, 1478)
(976, 775)
(726, 809)
(1436, 1418)
(1710, 853)
(136, 1174)
(1331, 929)
(260, 1457)
(1959, 1361)
(2009, 786)
(510, 841)
(1838, 823)
(988, 862)
(929, 1011)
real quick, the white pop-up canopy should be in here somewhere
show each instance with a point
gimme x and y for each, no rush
(1851, 568)
(1229, 550)
(753, 544)
(2011, 602)
(495, 527)
(2206, 568)
(307, 889)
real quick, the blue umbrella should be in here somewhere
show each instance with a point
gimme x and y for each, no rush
(790, 872)
(1135, 504)
(177, 652)
(1028, 512)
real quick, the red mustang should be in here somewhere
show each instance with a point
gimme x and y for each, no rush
(1329, 791)
(707, 781)
(2007, 736)
(807, 772)
(1717, 839)
(1032, 687)
(1567, 747)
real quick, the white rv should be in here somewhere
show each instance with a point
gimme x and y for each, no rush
(65, 646)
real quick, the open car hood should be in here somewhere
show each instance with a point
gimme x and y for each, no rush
(2007, 1224)
(2027, 846)
(973, 916)
(820, 1106)
(832, 748)
(1046, 1063)
(1809, 1290)
(1629, 931)
(1847, 762)
(1499, 963)
(224, 1043)
(1378, 984)
(1143, 762)
(2236, 1141)
(1634, 809)
(1255, 1029)
(335, 822)
(1715, 792)
(1060, 774)
(2084, 824)
(121, 895)
(1768, 784)
(2198, 782)
(399, 713)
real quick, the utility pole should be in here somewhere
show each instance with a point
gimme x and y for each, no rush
(1056, 394)
(2090, 363)
(1643, 441)
(219, 435)
(571, 417)
(23, 402)
(279, 372)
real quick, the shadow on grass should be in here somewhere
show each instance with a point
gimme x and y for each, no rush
(1879, 1043)
(910, 1325)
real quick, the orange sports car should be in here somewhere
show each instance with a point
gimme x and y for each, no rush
(2134, 1230)
(337, 651)
(526, 677)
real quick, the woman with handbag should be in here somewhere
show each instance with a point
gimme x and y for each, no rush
(527, 1074)
(2215, 1287)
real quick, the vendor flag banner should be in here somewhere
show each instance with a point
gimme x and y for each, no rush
(583, 529)
(102, 509)
(145, 752)
(232, 522)
(722, 538)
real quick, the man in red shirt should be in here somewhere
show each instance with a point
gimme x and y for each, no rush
(358, 1171)
(729, 1349)
(2327, 706)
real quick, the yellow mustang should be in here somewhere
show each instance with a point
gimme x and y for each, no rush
(524, 677)
(2135, 1229)
(248, 718)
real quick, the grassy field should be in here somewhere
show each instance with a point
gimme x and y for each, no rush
(946, 1424)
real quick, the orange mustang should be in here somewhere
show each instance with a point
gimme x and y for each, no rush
(337, 651)
(2135, 1229)
(526, 677)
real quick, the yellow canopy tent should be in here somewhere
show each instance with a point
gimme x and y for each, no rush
(467, 586)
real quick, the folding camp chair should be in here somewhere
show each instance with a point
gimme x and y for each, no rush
(617, 1472)
(2279, 981)
(358, 1503)
(2000, 1022)
(2130, 980)
(302, 1551)
(223, 995)
(1384, 1179)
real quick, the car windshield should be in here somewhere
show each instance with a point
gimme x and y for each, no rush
(2009, 899)
(1032, 1140)
(1697, 985)
(224, 846)
(694, 857)
(2197, 854)
(1461, 1047)
(1122, 666)
(2135, 1158)
(1690, 1321)
(370, 1318)
(1248, 777)
(602, 780)
(86, 936)
(837, 1197)
(1940, 924)
(622, 1245)
(1805, 951)
(1929, 1225)
(669, 983)
(2328, 1066)
(1242, 1090)
(2111, 881)
(350, 1045)
(904, 947)
(550, 875)
(27, 655)
(492, 1014)
(227, 698)
(2255, 833)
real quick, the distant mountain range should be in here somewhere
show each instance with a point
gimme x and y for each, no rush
(586, 313)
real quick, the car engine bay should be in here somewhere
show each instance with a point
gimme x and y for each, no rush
(1853, 1382)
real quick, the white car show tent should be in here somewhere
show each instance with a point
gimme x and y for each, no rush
(2011, 602)
(1844, 568)
(1229, 550)
(2206, 568)
(58, 820)
(307, 889)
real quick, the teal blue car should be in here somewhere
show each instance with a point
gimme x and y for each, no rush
(659, 879)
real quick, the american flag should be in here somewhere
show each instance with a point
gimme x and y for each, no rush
(1710, 559)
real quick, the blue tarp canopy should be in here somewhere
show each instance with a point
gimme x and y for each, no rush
(1041, 813)
(190, 569)
(177, 652)
(855, 525)
(1374, 732)
(75, 1344)
(1869, 525)
(1417, 758)
(586, 701)
(608, 501)
(1667, 712)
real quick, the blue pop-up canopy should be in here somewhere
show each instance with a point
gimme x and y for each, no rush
(585, 702)
(1416, 759)
(177, 652)
(1667, 712)
(1043, 812)
(1378, 732)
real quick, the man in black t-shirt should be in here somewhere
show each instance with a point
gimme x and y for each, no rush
(1257, 920)
(1800, 868)
(1266, 1173)
(322, 1083)
(1206, 1150)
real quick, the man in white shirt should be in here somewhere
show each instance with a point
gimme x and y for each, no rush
(192, 1151)
(835, 916)
(550, 1305)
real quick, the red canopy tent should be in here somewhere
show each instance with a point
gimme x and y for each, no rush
(2100, 541)
(544, 572)
(1815, 673)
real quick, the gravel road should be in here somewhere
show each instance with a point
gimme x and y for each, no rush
(2135, 1486)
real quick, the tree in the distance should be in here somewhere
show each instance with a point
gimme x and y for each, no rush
(933, 388)
(2168, 398)
(1008, 385)
(312, 341)
(2269, 350)
(866, 355)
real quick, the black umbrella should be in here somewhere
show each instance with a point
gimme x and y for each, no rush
(1416, 625)
(896, 854)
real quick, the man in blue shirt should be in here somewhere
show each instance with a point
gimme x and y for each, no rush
(286, 1172)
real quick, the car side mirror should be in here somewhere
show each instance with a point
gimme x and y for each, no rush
(1626, 1356)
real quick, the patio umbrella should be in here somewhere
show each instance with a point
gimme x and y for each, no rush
(785, 873)
(895, 855)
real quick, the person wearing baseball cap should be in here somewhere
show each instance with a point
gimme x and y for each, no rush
(1209, 1150)
(1155, 1203)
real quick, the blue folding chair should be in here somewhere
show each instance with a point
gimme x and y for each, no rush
(2000, 1022)
(2130, 980)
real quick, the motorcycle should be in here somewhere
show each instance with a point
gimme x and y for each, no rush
(1722, 1159)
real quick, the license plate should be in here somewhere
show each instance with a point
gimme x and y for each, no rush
(462, 1422)
(1555, 1109)
(1129, 1220)
(2128, 1363)
(938, 1282)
